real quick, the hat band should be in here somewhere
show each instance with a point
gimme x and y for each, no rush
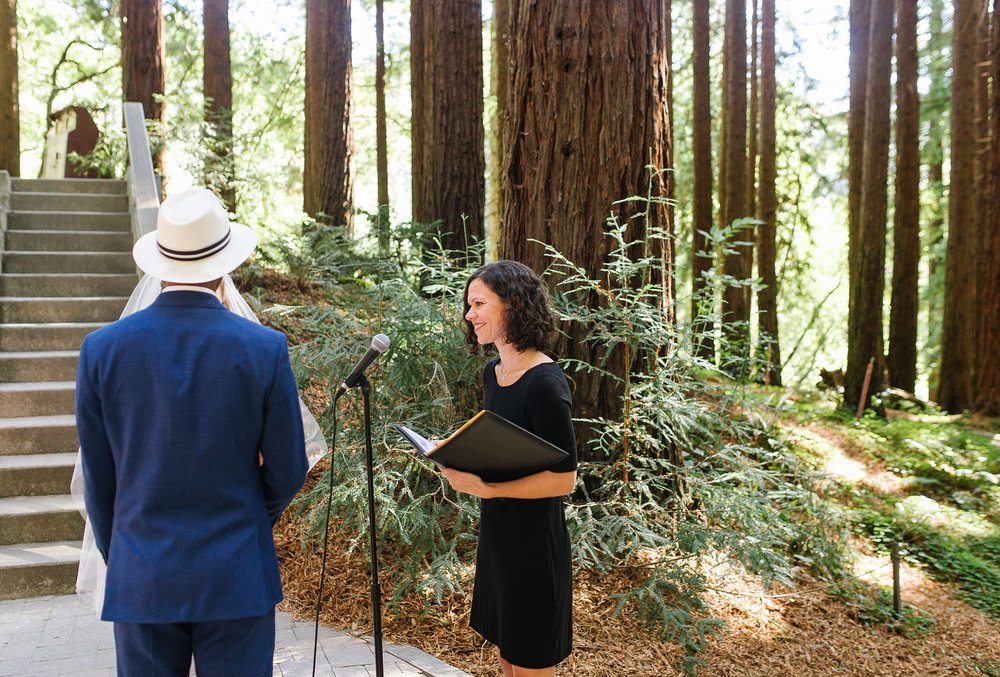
(198, 254)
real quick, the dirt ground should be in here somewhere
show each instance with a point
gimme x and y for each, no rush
(766, 632)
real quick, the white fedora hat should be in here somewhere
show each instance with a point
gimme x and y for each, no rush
(194, 240)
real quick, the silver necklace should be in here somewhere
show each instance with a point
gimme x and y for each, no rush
(504, 375)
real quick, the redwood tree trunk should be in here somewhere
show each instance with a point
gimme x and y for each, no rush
(752, 124)
(701, 148)
(988, 390)
(902, 359)
(218, 89)
(860, 15)
(10, 125)
(451, 187)
(328, 181)
(738, 263)
(767, 297)
(958, 340)
(499, 86)
(866, 342)
(381, 140)
(143, 57)
(586, 113)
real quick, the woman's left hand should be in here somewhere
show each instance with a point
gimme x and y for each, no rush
(466, 483)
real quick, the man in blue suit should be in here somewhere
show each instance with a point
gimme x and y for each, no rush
(192, 446)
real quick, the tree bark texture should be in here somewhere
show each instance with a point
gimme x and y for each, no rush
(499, 86)
(451, 185)
(328, 180)
(958, 340)
(701, 148)
(868, 281)
(585, 116)
(218, 90)
(859, 17)
(753, 131)
(143, 77)
(767, 298)
(988, 389)
(381, 134)
(10, 116)
(738, 262)
(902, 359)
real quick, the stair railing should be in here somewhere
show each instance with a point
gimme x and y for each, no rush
(143, 193)
(4, 208)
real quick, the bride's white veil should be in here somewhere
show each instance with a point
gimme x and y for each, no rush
(91, 574)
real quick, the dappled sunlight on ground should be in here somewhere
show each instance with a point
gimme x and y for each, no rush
(842, 467)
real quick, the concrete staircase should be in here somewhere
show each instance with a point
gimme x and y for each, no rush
(66, 270)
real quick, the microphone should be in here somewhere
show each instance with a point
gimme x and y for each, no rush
(380, 343)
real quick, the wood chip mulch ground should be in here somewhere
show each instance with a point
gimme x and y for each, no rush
(806, 634)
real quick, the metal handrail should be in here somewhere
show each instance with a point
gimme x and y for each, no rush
(4, 208)
(143, 194)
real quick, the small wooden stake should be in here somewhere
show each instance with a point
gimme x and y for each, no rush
(896, 606)
(863, 402)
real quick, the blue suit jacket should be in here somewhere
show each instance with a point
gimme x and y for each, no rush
(173, 404)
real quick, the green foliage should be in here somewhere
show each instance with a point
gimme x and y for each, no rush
(691, 474)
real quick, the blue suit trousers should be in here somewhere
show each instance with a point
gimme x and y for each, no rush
(233, 648)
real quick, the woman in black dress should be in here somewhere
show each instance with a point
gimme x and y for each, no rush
(522, 601)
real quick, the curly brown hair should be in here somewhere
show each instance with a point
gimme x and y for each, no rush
(528, 320)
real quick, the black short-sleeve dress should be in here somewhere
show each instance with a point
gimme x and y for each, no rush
(523, 596)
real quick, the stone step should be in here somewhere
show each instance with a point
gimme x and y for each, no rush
(38, 435)
(67, 284)
(36, 569)
(43, 336)
(105, 186)
(67, 241)
(68, 221)
(67, 202)
(45, 398)
(42, 309)
(36, 474)
(39, 519)
(42, 365)
(68, 262)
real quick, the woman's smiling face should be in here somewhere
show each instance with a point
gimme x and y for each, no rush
(486, 313)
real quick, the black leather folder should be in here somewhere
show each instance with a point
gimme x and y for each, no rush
(489, 446)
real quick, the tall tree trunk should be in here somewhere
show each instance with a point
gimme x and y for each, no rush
(767, 297)
(218, 89)
(381, 140)
(586, 113)
(10, 125)
(143, 77)
(327, 180)
(419, 102)
(958, 340)
(452, 190)
(988, 389)
(866, 343)
(499, 86)
(860, 15)
(934, 108)
(902, 360)
(669, 276)
(701, 149)
(752, 125)
(738, 262)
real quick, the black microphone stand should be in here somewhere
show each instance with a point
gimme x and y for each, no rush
(376, 591)
(365, 386)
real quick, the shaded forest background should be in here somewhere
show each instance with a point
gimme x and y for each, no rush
(764, 273)
(764, 142)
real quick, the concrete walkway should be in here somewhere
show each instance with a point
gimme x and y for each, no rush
(59, 636)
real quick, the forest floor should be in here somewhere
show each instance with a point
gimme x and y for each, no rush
(927, 480)
(808, 630)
